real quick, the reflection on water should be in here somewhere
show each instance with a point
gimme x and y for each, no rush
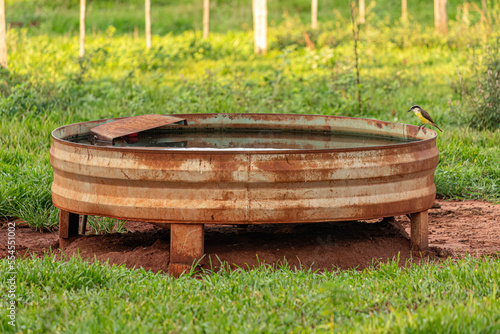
(246, 140)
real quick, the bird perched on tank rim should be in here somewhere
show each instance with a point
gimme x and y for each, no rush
(423, 116)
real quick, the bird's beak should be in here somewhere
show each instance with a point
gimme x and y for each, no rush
(409, 110)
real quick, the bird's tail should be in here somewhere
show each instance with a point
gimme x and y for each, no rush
(437, 127)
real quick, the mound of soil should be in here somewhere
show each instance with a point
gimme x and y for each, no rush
(456, 228)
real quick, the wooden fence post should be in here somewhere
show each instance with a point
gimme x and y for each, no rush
(436, 14)
(362, 11)
(314, 14)
(443, 17)
(206, 18)
(147, 8)
(3, 38)
(260, 25)
(484, 9)
(465, 13)
(404, 10)
(82, 28)
(440, 16)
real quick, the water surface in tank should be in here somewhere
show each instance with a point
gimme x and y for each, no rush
(233, 139)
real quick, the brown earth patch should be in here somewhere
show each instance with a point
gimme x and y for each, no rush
(455, 229)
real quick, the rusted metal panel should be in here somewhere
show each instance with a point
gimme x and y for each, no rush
(242, 186)
(130, 125)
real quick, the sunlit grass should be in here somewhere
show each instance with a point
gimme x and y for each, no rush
(103, 225)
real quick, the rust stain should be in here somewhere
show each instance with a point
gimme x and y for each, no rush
(128, 177)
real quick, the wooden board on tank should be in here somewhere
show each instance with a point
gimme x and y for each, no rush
(130, 125)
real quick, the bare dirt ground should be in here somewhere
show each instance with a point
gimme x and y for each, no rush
(456, 229)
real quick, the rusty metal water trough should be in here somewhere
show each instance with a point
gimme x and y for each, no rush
(191, 188)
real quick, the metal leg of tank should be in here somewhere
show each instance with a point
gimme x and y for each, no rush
(69, 224)
(83, 224)
(186, 246)
(419, 231)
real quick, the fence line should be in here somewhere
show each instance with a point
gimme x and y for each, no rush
(259, 9)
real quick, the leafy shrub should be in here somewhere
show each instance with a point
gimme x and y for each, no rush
(481, 99)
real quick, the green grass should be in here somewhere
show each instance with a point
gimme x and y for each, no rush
(103, 225)
(76, 297)
(467, 168)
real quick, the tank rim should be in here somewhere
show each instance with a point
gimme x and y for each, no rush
(154, 150)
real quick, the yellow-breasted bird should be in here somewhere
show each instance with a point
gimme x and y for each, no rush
(423, 116)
